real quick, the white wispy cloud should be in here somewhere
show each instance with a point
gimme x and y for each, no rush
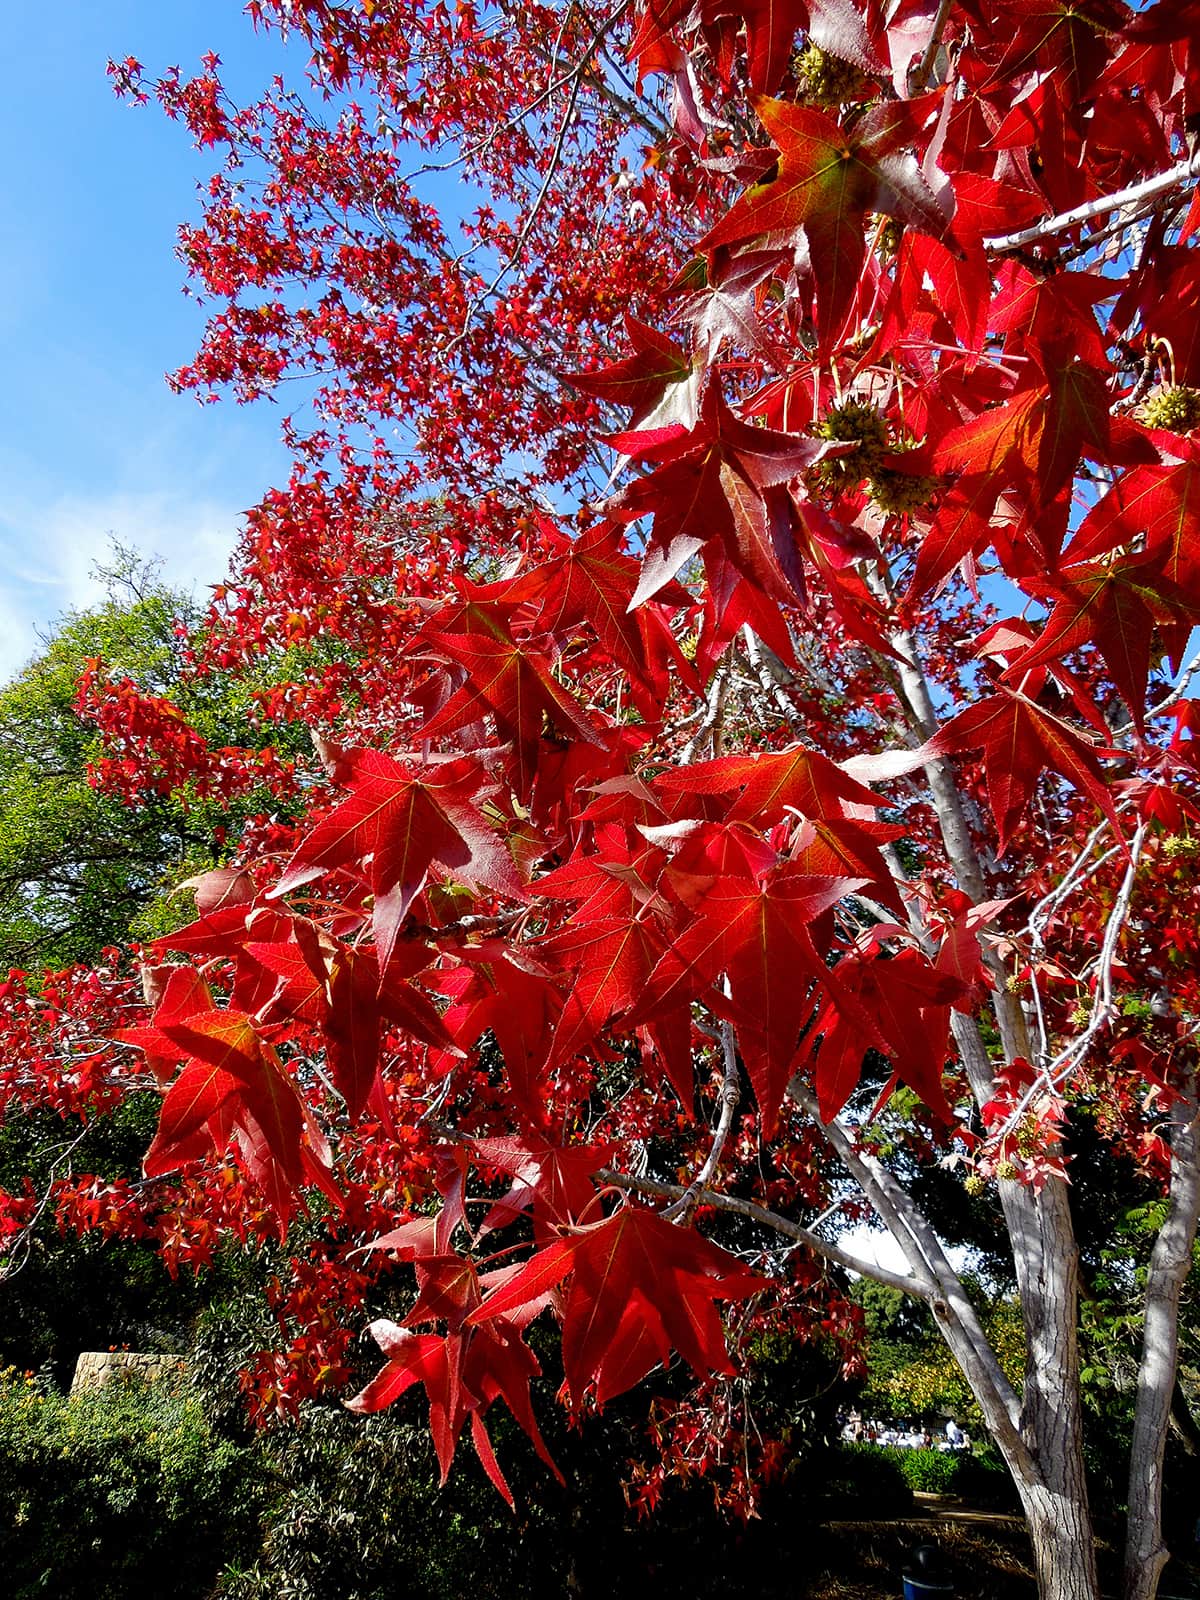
(48, 552)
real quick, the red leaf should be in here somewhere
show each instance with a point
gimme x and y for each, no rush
(640, 1286)
(1019, 742)
(825, 181)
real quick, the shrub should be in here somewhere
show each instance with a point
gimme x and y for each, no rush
(120, 1492)
(929, 1471)
(884, 1477)
(854, 1476)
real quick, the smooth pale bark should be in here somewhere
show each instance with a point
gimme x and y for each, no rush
(1046, 1261)
(1170, 1262)
(1056, 1505)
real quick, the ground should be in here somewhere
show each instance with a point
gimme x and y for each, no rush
(985, 1553)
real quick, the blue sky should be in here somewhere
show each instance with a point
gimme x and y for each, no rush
(92, 442)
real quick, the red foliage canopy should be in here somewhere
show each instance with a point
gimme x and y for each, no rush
(679, 808)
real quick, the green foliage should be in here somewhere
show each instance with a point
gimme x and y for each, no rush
(65, 1294)
(81, 870)
(851, 1476)
(76, 865)
(121, 1492)
(882, 1475)
(356, 1512)
(358, 1515)
(910, 1373)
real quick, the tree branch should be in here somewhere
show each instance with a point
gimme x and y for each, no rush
(1135, 194)
(917, 1288)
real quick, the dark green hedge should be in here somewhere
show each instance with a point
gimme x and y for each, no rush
(874, 1474)
(118, 1494)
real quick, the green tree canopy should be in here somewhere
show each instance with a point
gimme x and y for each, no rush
(79, 868)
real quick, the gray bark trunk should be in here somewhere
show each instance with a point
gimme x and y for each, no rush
(1060, 1530)
(1056, 1504)
(1170, 1261)
(1044, 1450)
(1046, 1262)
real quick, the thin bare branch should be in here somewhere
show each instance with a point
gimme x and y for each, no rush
(1134, 195)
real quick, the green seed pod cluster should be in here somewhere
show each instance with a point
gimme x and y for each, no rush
(1176, 408)
(856, 422)
(898, 492)
(823, 79)
(862, 424)
(1179, 847)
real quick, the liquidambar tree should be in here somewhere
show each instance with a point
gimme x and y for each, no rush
(753, 541)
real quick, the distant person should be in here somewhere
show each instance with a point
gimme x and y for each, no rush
(955, 1435)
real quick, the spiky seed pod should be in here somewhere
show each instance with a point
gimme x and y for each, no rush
(856, 422)
(1176, 408)
(823, 79)
(899, 492)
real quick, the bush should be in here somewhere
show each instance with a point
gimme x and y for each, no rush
(884, 1477)
(121, 1492)
(929, 1471)
(851, 1477)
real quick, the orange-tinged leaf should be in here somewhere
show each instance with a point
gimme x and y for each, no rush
(825, 181)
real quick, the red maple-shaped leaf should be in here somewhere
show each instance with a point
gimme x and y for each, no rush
(851, 850)
(462, 1370)
(757, 933)
(233, 1084)
(961, 952)
(825, 181)
(507, 991)
(337, 988)
(908, 1001)
(398, 822)
(720, 481)
(1031, 445)
(1157, 504)
(765, 786)
(227, 932)
(554, 1181)
(609, 943)
(513, 683)
(640, 1287)
(1019, 742)
(609, 961)
(640, 380)
(178, 992)
(1114, 604)
(591, 580)
(461, 1375)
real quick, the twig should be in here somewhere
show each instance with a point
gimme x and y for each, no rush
(923, 71)
(918, 1288)
(575, 77)
(730, 1095)
(1052, 1075)
(710, 727)
(1180, 689)
(1135, 194)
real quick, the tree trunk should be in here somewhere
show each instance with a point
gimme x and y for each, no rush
(1047, 1264)
(1050, 1478)
(1060, 1530)
(1170, 1261)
